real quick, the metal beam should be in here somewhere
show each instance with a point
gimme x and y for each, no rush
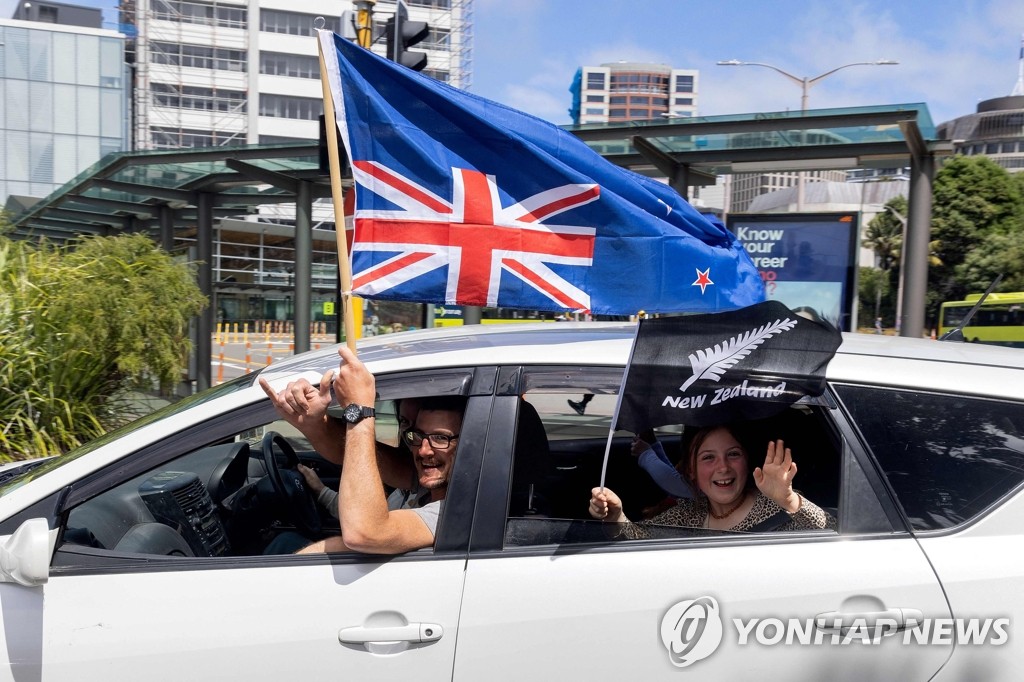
(264, 175)
(88, 217)
(697, 126)
(204, 327)
(915, 142)
(725, 157)
(219, 153)
(72, 229)
(155, 192)
(138, 210)
(242, 200)
(680, 175)
(919, 219)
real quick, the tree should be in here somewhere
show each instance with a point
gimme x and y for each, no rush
(974, 200)
(873, 290)
(80, 325)
(884, 234)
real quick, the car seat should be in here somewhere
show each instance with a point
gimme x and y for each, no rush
(531, 465)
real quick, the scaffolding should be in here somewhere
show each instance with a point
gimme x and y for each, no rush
(191, 72)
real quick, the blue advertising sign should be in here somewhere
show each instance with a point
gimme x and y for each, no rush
(805, 260)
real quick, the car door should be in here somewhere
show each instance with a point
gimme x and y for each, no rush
(584, 603)
(116, 615)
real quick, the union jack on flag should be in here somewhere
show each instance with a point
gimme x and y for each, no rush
(463, 201)
(472, 235)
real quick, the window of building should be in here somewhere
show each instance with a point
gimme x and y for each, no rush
(195, 12)
(639, 100)
(282, 106)
(437, 74)
(617, 113)
(198, 56)
(173, 138)
(47, 14)
(595, 98)
(293, 23)
(437, 39)
(596, 81)
(684, 83)
(684, 101)
(294, 65)
(594, 111)
(205, 99)
(619, 99)
(440, 4)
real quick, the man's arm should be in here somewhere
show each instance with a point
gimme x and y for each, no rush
(304, 406)
(366, 523)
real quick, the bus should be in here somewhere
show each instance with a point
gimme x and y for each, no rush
(999, 320)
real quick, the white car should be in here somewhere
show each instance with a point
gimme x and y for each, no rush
(140, 555)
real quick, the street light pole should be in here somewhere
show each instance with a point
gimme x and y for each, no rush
(805, 84)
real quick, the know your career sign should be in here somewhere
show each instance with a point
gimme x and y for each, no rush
(807, 259)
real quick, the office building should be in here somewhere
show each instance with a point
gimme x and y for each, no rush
(630, 91)
(223, 72)
(63, 101)
(995, 129)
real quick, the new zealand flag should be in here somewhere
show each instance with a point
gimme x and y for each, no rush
(704, 370)
(463, 201)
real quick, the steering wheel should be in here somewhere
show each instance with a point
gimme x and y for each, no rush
(290, 486)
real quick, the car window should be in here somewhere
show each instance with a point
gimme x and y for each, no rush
(561, 437)
(211, 501)
(948, 458)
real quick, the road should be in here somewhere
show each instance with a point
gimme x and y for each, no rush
(237, 354)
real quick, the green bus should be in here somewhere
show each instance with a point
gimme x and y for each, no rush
(999, 320)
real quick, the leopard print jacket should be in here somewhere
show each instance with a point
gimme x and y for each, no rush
(694, 513)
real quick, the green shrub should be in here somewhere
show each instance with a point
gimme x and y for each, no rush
(80, 326)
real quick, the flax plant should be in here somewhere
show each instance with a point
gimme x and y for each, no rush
(80, 327)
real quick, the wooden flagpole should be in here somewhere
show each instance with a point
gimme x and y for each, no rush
(344, 264)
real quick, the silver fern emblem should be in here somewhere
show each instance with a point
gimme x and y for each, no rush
(711, 363)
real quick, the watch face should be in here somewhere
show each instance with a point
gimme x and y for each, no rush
(352, 413)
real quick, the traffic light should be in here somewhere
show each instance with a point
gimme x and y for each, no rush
(403, 34)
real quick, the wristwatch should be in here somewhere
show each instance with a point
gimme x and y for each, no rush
(354, 414)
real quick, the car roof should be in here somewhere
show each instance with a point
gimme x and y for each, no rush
(863, 357)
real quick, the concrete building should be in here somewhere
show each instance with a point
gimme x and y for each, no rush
(995, 129)
(58, 13)
(630, 91)
(222, 72)
(63, 101)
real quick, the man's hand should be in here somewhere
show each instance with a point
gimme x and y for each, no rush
(312, 480)
(353, 383)
(300, 403)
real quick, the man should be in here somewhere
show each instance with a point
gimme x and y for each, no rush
(367, 525)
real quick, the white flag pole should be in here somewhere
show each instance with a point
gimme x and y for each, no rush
(618, 405)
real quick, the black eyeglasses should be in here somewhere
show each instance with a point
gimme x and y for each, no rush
(441, 441)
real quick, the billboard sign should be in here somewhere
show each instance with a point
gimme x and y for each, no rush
(805, 260)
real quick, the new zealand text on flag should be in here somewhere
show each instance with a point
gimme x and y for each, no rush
(464, 201)
(704, 370)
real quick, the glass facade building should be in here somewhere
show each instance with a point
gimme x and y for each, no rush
(63, 103)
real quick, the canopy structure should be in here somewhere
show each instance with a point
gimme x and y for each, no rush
(180, 193)
(693, 151)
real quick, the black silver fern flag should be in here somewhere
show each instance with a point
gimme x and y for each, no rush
(702, 370)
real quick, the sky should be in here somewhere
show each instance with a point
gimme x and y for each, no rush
(952, 53)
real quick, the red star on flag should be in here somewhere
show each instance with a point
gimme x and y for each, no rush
(703, 280)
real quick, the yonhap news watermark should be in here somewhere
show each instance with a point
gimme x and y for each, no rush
(692, 629)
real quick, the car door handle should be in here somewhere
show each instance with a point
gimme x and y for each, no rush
(413, 632)
(895, 620)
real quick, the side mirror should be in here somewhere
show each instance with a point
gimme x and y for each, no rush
(25, 555)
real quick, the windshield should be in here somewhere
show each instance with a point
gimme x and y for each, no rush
(10, 480)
